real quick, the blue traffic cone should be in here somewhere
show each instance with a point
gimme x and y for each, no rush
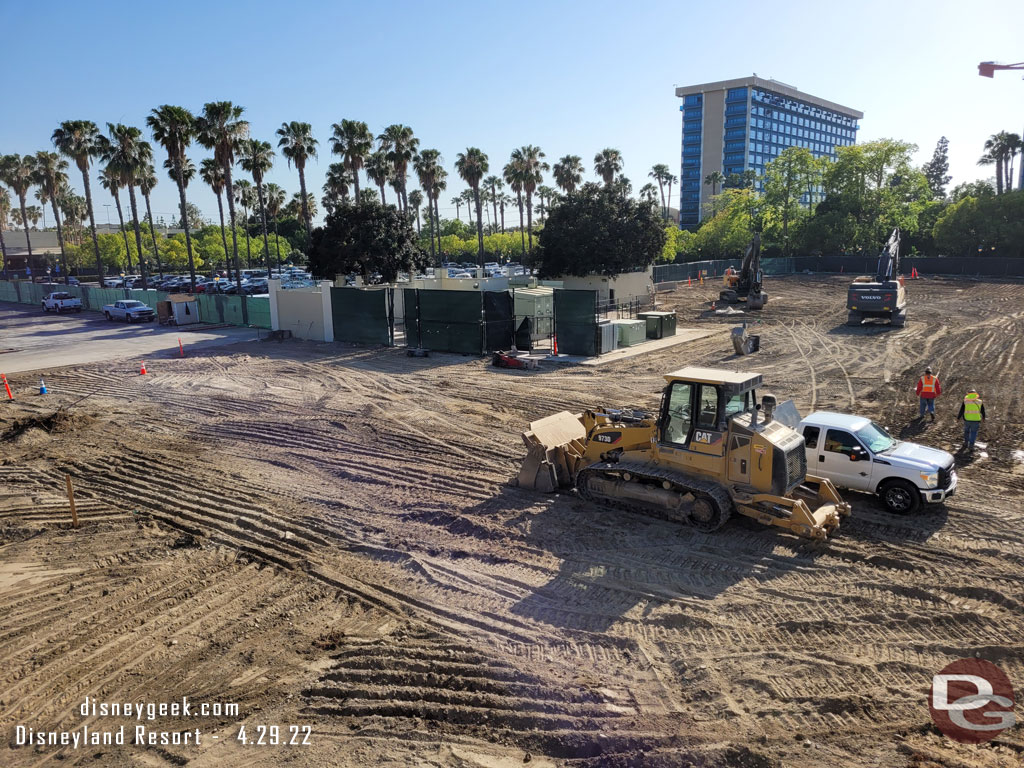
(42, 387)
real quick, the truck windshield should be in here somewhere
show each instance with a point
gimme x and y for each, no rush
(875, 438)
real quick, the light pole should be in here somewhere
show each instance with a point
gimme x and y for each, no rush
(988, 69)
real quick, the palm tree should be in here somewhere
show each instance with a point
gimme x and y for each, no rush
(352, 140)
(467, 200)
(379, 170)
(17, 173)
(257, 159)
(147, 180)
(608, 163)
(50, 175)
(336, 186)
(400, 145)
(529, 160)
(440, 184)
(415, 201)
(514, 175)
(112, 181)
(546, 195)
(457, 202)
(714, 179)
(472, 165)
(78, 140)
(297, 145)
(660, 173)
(173, 128)
(212, 174)
(1014, 147)
(5, 211)
(244, 197)
(649, 193)
(494, 184)
(669, 180)
(221, 128)
(568, 173)
(503, 200)
(128, 154)
(294, 207)
(275, 202)
(427, 164)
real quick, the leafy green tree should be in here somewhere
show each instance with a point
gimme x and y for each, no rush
(221, 128)
(173, 128)
(728, 231)
(78, 139)
(50, 174)
(471, 166)
(936, 170)
(364, 238)
(298, 146)
(17, 173)
(608, 164)
(787, 179)
(597, 231)
(257, 157)
(991, 223)
(971, 189)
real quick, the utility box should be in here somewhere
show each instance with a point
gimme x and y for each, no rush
(630, 332)
(609, 337)
(184, 309)
(659, 324)
(537, 304)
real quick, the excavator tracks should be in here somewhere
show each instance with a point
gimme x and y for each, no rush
(708, 510)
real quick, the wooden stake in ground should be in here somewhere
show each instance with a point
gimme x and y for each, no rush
(71, 501)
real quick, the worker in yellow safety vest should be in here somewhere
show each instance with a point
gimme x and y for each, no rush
(972, 411)
(928, 388)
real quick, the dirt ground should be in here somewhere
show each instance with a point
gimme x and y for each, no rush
(326, 536)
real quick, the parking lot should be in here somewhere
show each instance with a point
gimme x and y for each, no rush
(31, 339)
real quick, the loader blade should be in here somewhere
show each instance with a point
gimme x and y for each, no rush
(554, 447)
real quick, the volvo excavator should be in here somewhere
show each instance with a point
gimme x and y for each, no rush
(712, 450)
(883, 296)
(747, 284)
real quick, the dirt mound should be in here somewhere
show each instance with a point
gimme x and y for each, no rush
(59, 422)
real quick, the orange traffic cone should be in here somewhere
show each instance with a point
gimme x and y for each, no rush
(142, 370)
(554, 345)
(689, 281)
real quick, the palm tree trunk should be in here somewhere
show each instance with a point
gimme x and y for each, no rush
(92, 226)
(430, 225)
(479, 224)
(382, 200)
(184, 222)
(124, 232)
(418, 222)
(248, 247)
(224, 235)
(437, 223)
(263, 218)
(305, 204)
(458, 211)
(138, 234)
(669, 196)
(28, 239)
(355, 180)
(405, 199)
(522, 229)
(152, 228)
(494, 202)
(3, 252)
(277, 245)
(503, 216)
(230, 188)
(529, 218)
(60, 237)
(664, 208)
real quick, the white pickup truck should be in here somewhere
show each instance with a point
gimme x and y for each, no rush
(855, 453)
(59, 301)
(129, 311)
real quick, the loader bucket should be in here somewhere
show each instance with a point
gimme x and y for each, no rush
(554, 451)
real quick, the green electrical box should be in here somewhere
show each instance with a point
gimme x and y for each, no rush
(630, 332)
(659, 324)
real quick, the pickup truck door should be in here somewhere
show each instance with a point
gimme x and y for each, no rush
(842, 458)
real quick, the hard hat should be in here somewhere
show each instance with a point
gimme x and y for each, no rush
(928, 369)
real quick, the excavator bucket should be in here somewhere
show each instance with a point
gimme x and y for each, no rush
(744, 344)
(554, 450)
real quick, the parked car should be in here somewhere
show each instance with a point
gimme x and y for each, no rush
(257, 287)
(59, 301)
(856, 453)
(73, 281)
(129, 311)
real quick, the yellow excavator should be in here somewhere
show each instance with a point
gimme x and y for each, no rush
(711, 450)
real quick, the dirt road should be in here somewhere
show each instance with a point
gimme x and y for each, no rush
(326, 536)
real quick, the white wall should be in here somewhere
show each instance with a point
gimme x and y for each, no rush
(625, 286)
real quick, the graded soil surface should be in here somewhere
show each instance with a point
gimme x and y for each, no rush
(326, 536)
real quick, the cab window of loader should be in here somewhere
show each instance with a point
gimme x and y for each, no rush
(737, 404)
(678, 417)
(708, 406)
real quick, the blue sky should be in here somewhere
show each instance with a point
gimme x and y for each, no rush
(571, 77)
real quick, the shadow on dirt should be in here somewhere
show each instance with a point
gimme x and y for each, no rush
(617, 566)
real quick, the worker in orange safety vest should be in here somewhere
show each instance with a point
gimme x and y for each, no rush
(928, 388)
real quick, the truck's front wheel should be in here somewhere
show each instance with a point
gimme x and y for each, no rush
(900, 497)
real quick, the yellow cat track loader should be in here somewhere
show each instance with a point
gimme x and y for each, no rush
(711, 450)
